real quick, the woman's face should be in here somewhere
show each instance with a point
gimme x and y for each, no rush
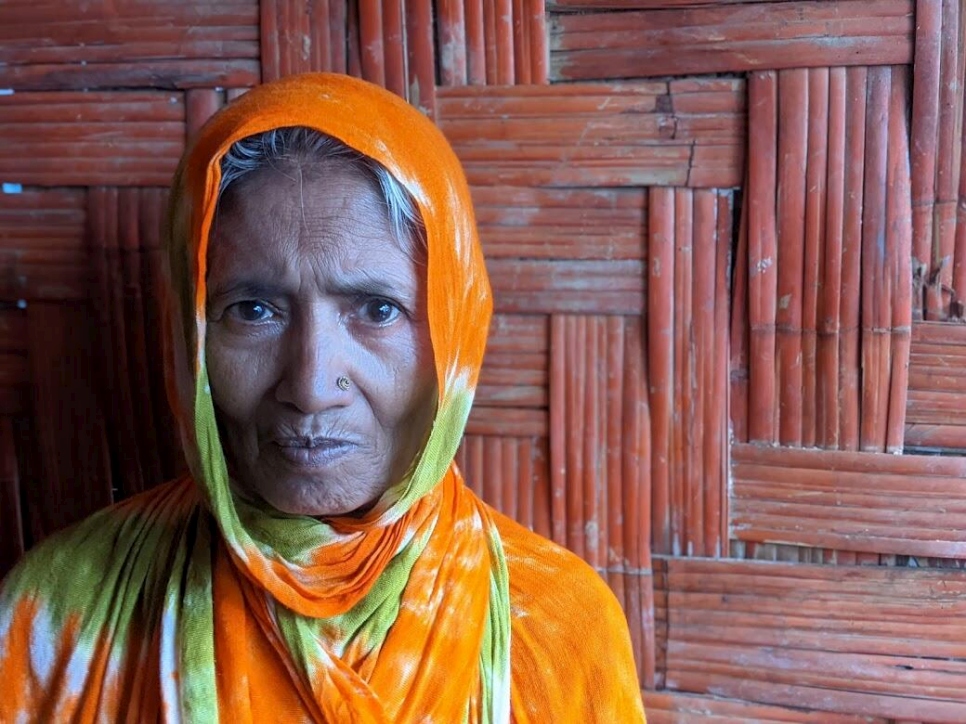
(307, 284)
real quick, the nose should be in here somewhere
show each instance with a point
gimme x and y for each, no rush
(314, 359)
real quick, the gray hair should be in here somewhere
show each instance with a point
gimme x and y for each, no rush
(295, 145)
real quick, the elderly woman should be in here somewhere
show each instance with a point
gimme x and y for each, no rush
(323, 561)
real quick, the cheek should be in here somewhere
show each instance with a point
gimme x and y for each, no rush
(237, 379)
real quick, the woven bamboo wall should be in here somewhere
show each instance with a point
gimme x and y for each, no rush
(728, 247)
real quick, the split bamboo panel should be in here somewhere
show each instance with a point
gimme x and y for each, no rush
(836, 639)
(677, 133)
(689, 238)
(937, 387)
(12, 541)
(387, 42)
(84, 45)
(823, 298)
(514, 372)
(124, 236)
(42, 251)
(670, 707)
(866, 502)
(76, 139)
(599, 447)
(512, 474)
(491, 42)
(540, 223)
(64, 370)
(729, 37)
(947, 264)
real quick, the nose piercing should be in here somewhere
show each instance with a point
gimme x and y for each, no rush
(343, 383)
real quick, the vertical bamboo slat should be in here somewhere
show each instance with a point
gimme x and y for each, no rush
(395, 75)
(559, 401)
(925, 126)
(876, 293)
(815, 199)
(372, 55)
(682, 442)
(792, 153)
(739, 333)
(451, 26)
(717, 434)
(762, 256)
(421, 56)
(830, 298)
(899, 246)
(539, 53)
(476, 60)
(850, 316)
(947, 164)
(660, 330)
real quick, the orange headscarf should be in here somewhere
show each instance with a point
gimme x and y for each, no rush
(194, 604)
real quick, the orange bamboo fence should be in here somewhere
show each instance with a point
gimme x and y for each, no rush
(727, 242)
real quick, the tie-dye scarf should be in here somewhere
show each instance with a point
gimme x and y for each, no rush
(188, 604)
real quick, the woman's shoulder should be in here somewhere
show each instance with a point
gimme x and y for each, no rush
(71, 564)
(571, 650)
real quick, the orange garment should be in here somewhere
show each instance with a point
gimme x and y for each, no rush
(189, 604)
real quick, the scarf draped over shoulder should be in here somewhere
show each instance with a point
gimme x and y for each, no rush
(189, 604)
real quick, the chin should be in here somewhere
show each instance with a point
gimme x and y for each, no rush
(294, 501)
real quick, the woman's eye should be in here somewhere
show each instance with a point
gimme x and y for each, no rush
(251, 311)
(380, 311)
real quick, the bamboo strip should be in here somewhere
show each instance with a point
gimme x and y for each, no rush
(793, 115)
(539, 53)
(476, 62)
(542, 493)
(503, 41)
(576, 331)
(877, 279)
(372, 54)
(339, 35)
(814, 252)
(353, 43)
(521, 43)
(491, 44)
(395, 72)
(762, 258)
(510, 480)
(559, 408)
(682, 427)
(925, 122)
(452, 42)
(612, 403)
(849, 351)
(525, 483)
(947, 166)
(660, 344)
(716, 411)
(739, 332)
(421, 56)
(899, 248)
(703, 473)
(268, 40)
(830, 294)
(586, 433)
(200, 105)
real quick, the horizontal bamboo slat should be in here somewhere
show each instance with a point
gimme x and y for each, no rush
(671, 707)
(937, 387)
(869, 502)
(547, 286)
(514, 372)
(42, 245)
(730, 37)
(688, 133)
(113, 45)
(534, 223)
(77, 139)
(831, 638)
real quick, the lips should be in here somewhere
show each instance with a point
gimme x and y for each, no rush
(312, 452)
